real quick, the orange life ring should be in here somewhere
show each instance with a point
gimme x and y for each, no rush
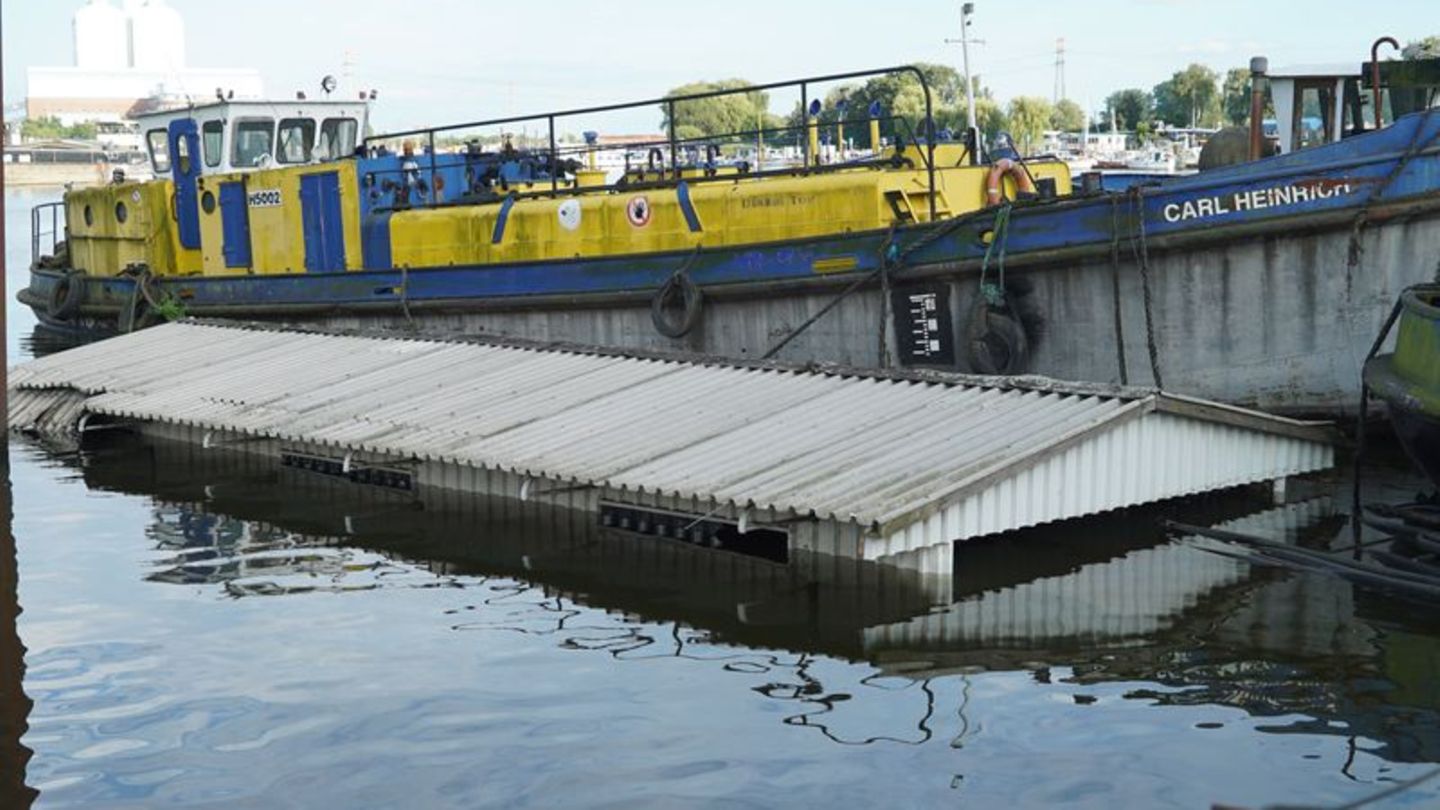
(994, 188)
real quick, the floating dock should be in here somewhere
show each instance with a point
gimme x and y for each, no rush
(891, 467)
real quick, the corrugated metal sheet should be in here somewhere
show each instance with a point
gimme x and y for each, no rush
(1144, 592)
(918, 459)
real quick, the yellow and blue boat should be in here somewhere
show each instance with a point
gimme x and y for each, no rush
(912, 251)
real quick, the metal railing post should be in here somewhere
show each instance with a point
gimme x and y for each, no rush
(434, 197)
(929, 139)
(554, 158)
(805, 123)
(674, 145)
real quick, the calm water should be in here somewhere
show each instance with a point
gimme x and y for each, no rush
(200, 632)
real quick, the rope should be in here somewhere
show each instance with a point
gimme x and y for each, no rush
(999, 235)
(1362, 216)
(888, 248)
(139, 291)
(893, 259)
(1142, 256)
(1115, 290)
(405, 294)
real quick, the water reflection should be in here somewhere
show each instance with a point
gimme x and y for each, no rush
(1110, 601)
(15, 705)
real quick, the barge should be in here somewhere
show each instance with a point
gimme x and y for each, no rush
(1256, 283)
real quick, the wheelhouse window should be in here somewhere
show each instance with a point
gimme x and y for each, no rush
(159, 150)
(296, 138)
(1314, 113)
(337, 138)
(212, 142)
(254, 142)
(182, 156)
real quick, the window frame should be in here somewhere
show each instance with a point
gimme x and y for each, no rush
(235, 133)
(219, 151)
(339, 121)
(309, 145)
(160, 163)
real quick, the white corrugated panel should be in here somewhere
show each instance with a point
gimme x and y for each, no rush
(1140, 593)
(919, 459)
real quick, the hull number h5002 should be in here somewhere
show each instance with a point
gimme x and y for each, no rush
(264, 198)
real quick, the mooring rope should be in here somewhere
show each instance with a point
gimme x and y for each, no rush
(405, 295)
(887, 249)
(999, 235)
(1362, 216)
(1142, 257)
(1115, 290)
(892, 260)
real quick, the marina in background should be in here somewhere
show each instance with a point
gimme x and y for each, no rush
(862, 453)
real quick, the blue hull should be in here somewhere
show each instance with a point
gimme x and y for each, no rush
(1400, 163)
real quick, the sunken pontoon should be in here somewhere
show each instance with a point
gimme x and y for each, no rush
(889, 467)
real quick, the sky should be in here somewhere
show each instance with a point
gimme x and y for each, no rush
(436, 61)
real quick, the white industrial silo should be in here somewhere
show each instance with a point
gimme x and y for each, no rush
(157, 37)
(101, 37)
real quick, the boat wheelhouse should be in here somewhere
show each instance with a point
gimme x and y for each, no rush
(237, 136)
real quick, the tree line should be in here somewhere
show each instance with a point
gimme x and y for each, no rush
(49, 128)
(1198, 97)
(900, 99)
(1195, 96)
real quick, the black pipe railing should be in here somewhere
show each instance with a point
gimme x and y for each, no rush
(666, 176)
(674, 142)
(37, 231)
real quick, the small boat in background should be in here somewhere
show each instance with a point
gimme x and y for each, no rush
(1408, 380)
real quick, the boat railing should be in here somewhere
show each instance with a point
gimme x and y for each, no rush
(669, 167)
(701, 163)
(47, 222)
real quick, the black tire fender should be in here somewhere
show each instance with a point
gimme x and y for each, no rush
(691, 299)
(65, 297)
(996, 343)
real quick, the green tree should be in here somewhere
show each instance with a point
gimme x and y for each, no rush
(1427, 48)
(990, 118)
(902, 102)
(1236, 90)
(1029, 118)
(1129, 108)
(720, 115)
(1067, 116)
(50, 128)
(1190, 98)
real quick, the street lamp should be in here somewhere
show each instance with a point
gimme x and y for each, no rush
(966, 9)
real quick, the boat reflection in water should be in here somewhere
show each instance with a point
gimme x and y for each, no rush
(1107, 601)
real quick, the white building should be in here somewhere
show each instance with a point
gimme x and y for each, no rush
(127, 61)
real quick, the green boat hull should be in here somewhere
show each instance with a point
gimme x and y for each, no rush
(1408, 380)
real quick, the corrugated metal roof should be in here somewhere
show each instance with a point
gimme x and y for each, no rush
(932, 454)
